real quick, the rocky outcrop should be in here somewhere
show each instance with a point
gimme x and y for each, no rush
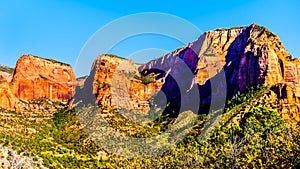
(35, 78)
(219, 64)
(6, 72)
(7, 99)
(80, 81)
(246, 56)
(113, 81)
(289, 103)
(260, 59)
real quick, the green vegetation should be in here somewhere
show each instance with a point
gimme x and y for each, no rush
(250, 134)
(209, 55)
(6, 69)
(51, 60)
(225, 29)
(269, 33)
(147, 79)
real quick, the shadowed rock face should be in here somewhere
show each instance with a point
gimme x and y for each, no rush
(222, 62)
(260, 59)
(36, 78)
(248, 55)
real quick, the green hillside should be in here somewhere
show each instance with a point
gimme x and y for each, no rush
(250, 134)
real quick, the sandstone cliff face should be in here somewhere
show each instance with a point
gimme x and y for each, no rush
(261, 59)
(249, 55)
(112, 82)
(7, 99)
(36, 78)
(224, 61)
(246, 56)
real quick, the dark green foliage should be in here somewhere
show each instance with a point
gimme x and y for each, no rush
(52, 60)
(6, 69)
(250, 135)
(209, 55)
(269, 33)
(250, 92)
(150, 78)
(260, 140)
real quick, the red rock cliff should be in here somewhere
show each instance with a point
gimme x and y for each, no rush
(246, 56)
(7, 99)
(249, 55)
(35, 78)
(112, 82)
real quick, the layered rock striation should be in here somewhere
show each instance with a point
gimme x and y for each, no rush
(233, 59)
(7, 99)
(213, 68)
(248, 56)
(114, 81)
(35, 78)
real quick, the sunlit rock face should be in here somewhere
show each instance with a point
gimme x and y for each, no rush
(113, 82)
(7, 99)
(36, 78)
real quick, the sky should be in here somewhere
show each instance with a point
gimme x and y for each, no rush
(59, 29)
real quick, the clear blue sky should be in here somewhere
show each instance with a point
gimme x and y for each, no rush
(58, 29)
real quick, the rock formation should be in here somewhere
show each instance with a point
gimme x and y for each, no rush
(220, 60)
(249, 56)
(246, 56)
(7, 99)
(219, 64)
(113, 81)
(36, 78)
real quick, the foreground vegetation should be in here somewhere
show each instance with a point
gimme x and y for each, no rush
(250, 134)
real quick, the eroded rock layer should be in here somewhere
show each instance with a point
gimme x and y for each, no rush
(114, 81)
(245, 56)
(36, 78)
(7, 99)
(219, 64)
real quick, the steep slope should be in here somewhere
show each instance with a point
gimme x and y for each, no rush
(7, 99)
(251, 133)
(114, 81)
(247, 56)
(220, 60)
(36, 78)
